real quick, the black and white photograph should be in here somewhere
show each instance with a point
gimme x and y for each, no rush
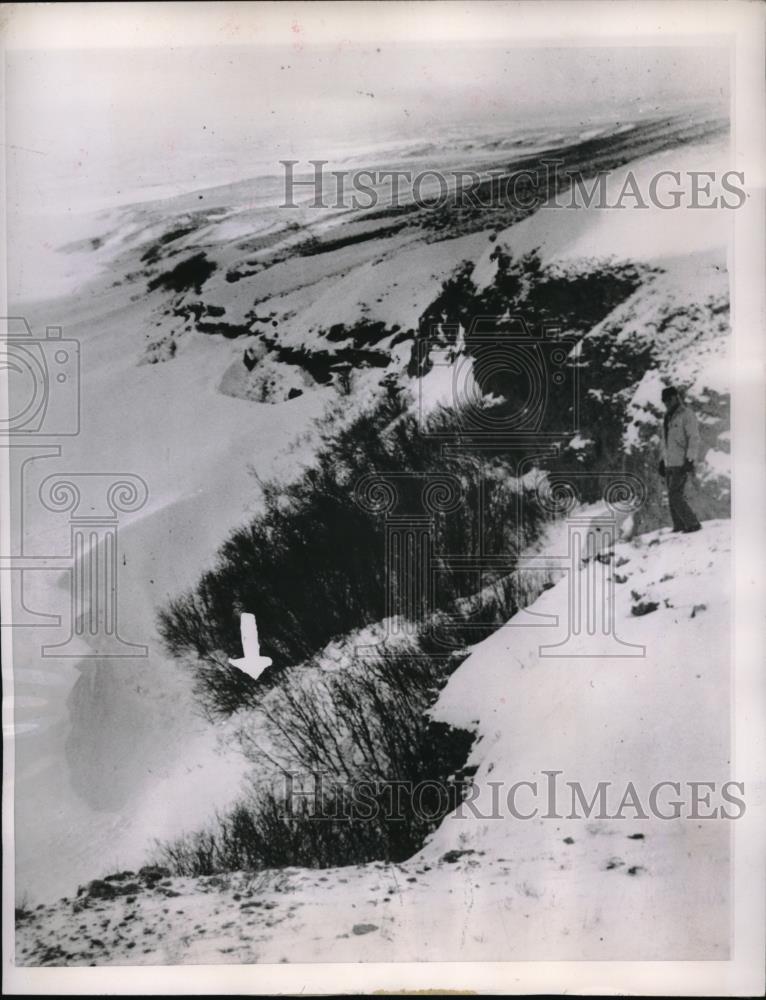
(382, 443)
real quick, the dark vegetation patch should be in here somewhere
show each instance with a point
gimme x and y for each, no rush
(316, 531)
(191, 273)
(235, 274)
(640, 606)
(161, 349)
(365, 333)
(190, 310)
(175, 234)
(119, 876)
(452, 856)
(152, 255)
(323, 365)
(229, 330)
(316, 245)
(532, 354)
(365, 744)
(585, 379)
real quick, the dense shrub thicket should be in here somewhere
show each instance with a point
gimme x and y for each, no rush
(537, 315)
(190, 273)
(312, 566)
(354, 749)
(587, 396)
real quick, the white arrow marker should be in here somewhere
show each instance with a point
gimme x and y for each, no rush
(252, 662)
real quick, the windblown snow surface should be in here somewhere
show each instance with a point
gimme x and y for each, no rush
(111, 755)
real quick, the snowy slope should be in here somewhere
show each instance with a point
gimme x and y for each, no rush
(111, 754)
(499, 888)
(109, 757)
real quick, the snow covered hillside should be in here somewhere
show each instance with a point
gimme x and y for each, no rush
(497, 887)
(216, 331)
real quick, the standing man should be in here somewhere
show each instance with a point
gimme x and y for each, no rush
(681, 439)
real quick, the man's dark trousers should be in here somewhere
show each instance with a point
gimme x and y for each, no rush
(684, 518)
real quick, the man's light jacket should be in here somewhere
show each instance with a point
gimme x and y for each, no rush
(681, 438)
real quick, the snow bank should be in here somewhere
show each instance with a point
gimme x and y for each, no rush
(645, 719)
